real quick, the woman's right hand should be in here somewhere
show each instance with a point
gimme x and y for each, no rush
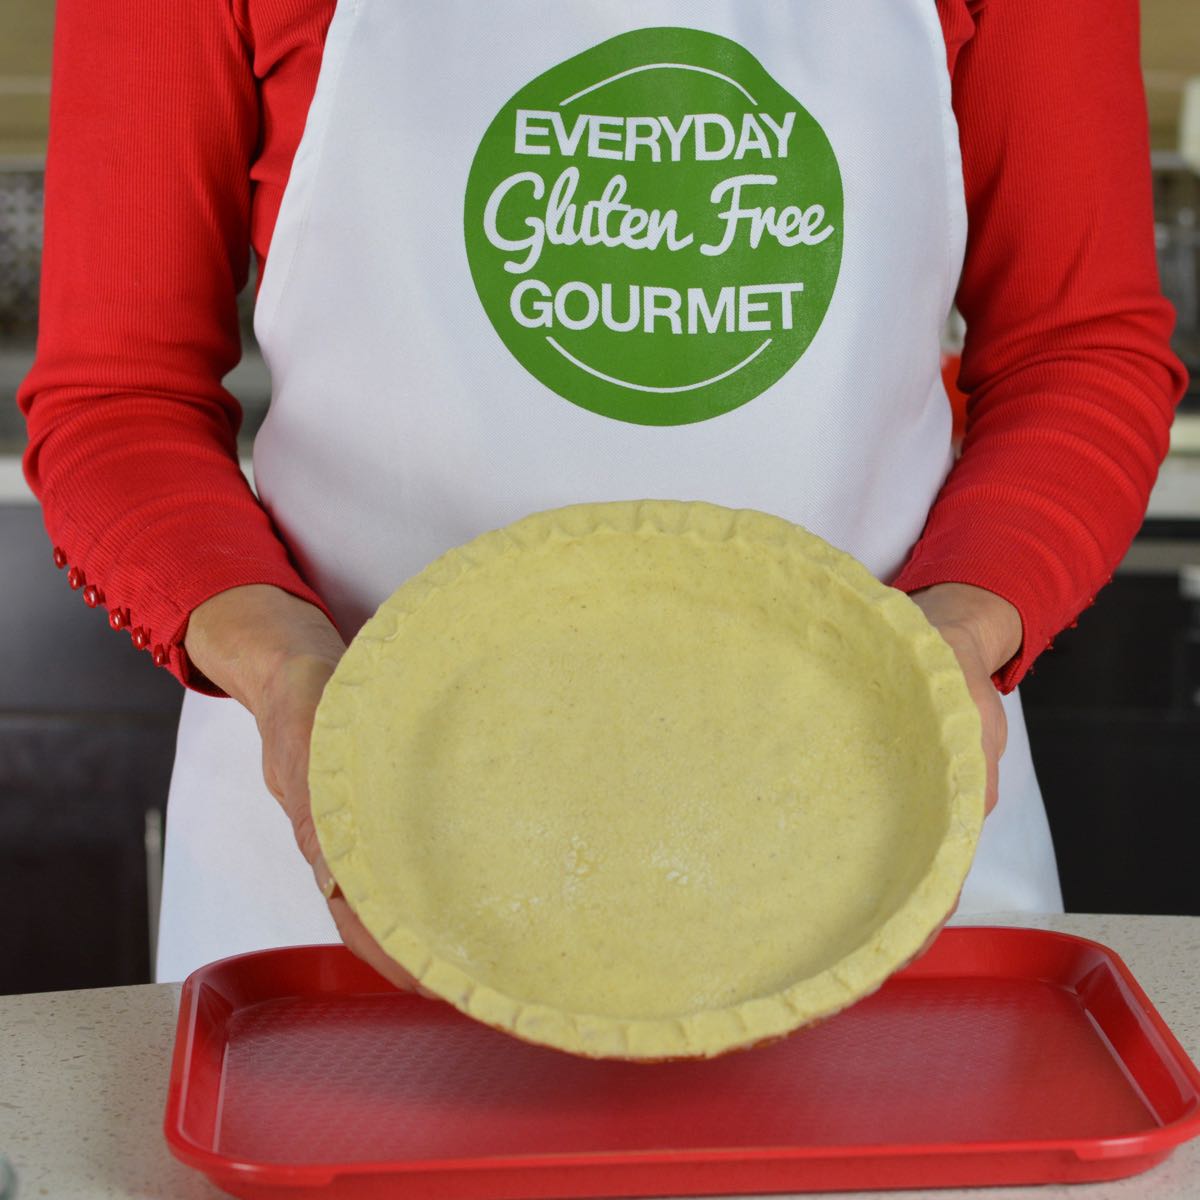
(274, 653)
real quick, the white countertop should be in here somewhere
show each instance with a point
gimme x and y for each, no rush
(83, 1079)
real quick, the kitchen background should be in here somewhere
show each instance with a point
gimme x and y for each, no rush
(87, 728)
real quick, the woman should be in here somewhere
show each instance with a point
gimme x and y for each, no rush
(674, 249)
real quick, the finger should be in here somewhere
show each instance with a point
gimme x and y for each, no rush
(297, 803)
(306, 838)
(992, 735)
(1001, 727)
(992, 794)
(995, 748)
(285, 772)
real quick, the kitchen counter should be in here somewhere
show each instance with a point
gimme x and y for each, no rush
(83, 1078)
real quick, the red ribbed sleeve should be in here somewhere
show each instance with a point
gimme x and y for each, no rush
(1071, 382)
(155, 122)
(172, 128)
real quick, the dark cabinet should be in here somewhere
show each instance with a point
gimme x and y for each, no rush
(87, 739)
(1113, 712)
(81, 803)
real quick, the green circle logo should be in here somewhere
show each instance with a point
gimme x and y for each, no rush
(654, 227)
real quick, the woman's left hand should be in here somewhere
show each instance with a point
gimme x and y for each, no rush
(984, 631)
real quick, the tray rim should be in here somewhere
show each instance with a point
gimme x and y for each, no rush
(1143, 1146)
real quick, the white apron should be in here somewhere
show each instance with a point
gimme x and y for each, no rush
(533, 255)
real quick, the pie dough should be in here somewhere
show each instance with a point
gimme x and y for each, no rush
(648, 779)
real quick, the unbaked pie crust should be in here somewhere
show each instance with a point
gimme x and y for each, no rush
(648, 779)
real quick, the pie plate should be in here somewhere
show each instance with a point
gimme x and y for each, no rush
(648, 780)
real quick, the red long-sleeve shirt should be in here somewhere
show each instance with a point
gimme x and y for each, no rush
(172, 130)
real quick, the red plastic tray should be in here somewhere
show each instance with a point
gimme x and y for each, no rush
(1001, 1056)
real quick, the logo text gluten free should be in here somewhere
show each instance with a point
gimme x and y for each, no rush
(654, 227)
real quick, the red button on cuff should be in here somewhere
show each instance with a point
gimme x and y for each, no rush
(75, 578)
(161, 657)
(118, 618)
(92, 595)
(60, 557)
(141, 639)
